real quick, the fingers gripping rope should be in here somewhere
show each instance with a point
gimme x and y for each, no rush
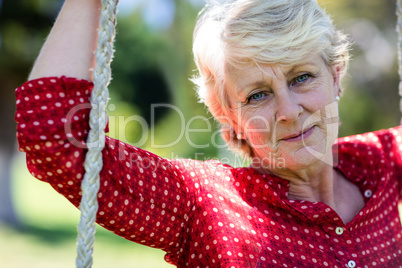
(96, 137)
(399, 30)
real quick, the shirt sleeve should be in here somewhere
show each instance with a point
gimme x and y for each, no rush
(391, 140)
(142, 197)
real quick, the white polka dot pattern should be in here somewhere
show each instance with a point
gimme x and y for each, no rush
(205, 214)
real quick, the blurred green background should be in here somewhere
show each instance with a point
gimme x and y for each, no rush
(153, 64)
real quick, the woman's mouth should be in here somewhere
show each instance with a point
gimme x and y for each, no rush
(300, 136)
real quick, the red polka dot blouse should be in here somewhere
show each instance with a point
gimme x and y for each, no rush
(206, 214)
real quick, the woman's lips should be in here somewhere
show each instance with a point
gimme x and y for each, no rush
(299, 137)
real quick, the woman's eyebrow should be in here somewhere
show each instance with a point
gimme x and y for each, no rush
(243, 89)
(266, 79)
(265, 82)
(295, 68)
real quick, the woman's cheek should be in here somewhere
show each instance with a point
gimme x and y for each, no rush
(258, 128)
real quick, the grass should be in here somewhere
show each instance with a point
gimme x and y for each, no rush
(48, 235)
(41, 248)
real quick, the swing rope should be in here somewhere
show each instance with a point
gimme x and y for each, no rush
(96, 137)
(399, 30)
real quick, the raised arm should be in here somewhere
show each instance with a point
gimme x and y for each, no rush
(142, 197)
(69, 48)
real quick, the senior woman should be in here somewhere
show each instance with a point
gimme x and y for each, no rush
(270, 72)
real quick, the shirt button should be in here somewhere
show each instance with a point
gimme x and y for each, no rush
(368, 193)
(339, 230)
(351, 264)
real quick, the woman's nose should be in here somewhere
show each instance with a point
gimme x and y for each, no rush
(287, 107)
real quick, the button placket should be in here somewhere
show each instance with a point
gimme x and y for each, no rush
(340, 239)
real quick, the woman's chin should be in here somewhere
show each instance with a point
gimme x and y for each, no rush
(313, 150)
(300, 159)
(297, 155)
(307, 157)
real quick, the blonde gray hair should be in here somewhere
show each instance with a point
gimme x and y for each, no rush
(242, 32)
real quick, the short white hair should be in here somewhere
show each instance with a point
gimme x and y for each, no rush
(243, 32)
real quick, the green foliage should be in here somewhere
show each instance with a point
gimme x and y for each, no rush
(370, 100)
(23, 27)
(152, 68)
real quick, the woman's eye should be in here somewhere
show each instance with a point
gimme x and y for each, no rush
(300, 79)
(256, 96)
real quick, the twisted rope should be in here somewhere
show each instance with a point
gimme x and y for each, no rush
(399, 30)
(96, 137)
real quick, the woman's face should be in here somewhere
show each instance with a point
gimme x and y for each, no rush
(288, 114)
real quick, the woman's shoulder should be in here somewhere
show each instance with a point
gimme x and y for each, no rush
(376, 151)
(381, 140)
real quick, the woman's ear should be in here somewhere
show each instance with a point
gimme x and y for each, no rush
(237, 131)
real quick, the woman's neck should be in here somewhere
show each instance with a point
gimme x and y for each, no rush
(313, 187)
(326, 185)
(315, 183)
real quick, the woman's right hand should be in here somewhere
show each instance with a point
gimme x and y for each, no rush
(69, 48)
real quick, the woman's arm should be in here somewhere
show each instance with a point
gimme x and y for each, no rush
(69, 48)
(142, 197)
